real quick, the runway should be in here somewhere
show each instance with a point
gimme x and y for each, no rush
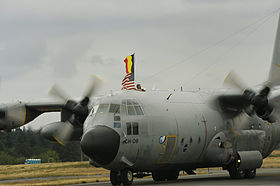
(265, 177)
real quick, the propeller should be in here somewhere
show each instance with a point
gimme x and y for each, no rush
(78, 110)
(249, 101)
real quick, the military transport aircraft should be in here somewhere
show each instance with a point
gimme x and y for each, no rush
(135, 134)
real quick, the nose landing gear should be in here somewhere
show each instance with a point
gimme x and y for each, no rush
(115, 178)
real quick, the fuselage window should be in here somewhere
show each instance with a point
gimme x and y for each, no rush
(128, 127)
(114, 108)
(131, 110)
(138, 110)
(135, 128)
(103, 108)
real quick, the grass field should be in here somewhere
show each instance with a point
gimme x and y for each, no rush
(273, 161)
(85, 173)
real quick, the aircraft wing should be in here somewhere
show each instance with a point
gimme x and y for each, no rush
(45, 107)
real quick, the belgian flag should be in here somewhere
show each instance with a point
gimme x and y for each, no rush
(129, 66)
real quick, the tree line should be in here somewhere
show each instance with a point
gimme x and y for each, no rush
(21, 144)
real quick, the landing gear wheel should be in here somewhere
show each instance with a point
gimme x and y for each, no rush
(172, 175)
(127, 177)
(165, 175)
(158, 176)
(235, 173)
(115, 178)
(250, 173)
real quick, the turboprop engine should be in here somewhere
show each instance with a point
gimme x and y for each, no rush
(73, 115)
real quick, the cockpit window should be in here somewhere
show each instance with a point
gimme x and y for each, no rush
(129, 102)
(132, 107)
(131, 110)
(123, 109)
(134, 102)
(103, 108)
(114, 108)
(138, 110)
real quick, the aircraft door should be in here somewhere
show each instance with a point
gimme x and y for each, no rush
(169, 148)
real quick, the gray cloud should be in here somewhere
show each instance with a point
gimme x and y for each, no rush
(42, 42)
(66, 41)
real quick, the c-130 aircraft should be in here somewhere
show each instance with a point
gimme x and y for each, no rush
(134, 133)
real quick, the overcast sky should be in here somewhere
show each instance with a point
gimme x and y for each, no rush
(66, 41)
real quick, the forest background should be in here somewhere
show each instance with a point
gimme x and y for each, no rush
(21, 144)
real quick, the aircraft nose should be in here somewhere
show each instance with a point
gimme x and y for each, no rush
(101, 144)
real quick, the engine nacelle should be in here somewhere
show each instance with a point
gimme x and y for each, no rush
(249, 160)
(12, 116)
(50, 130)
(16, 115)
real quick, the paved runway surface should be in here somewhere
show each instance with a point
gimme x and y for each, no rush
(267, 177)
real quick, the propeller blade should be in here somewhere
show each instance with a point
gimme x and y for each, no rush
(233, 102)
(95, 82)
(232, 80)
(64, 133)
(55, 91)
(274, 74)
(229, 106)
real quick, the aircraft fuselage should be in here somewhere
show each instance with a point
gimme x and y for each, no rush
(175, 131)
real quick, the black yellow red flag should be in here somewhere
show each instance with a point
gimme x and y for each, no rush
(129, 66)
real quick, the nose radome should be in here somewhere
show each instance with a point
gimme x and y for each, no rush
(101, 144)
